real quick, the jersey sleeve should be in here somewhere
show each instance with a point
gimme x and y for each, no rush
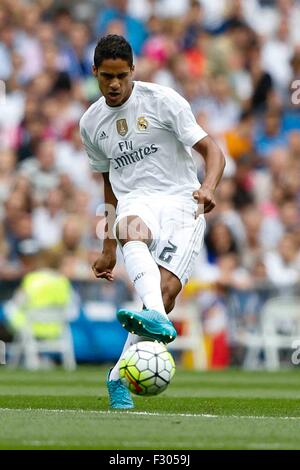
(98, 162)
(177, 116)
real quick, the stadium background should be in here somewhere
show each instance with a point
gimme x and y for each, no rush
(235, 61)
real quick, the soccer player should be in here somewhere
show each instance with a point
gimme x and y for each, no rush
(139, 136)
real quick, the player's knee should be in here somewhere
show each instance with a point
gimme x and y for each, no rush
(132, 229)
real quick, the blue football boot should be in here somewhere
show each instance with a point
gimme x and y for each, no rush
(148, 323)
(119, 395)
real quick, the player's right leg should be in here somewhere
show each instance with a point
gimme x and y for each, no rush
(135, 238)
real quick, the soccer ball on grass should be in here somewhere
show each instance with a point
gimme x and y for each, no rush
(147, 368)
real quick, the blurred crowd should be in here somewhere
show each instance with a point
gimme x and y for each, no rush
(236, 61)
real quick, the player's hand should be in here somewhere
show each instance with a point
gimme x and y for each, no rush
(206, 200)
(104, 265)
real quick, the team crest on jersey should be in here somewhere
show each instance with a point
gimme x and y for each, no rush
(142, 124)
(122, 127)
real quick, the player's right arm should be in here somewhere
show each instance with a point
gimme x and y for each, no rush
(105, 263)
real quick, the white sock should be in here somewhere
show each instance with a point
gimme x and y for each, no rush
(144, 274)
(131, 339)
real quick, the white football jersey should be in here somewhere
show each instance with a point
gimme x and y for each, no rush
(145, 144)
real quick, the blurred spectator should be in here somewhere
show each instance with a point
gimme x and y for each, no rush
(220, 107)
(239, 140)
(262, 82)
(27, 43)
(40, 288)
(71, 158)
(219, 241)
(283, 266)
(270, 136)
(276, 56)
(42, 170)
(134, 29)
(7, 175)
(6, 46)
(71, 251)
(79, 54)
(48, 219)
(63, 23)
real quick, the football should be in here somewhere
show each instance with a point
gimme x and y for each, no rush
(147, 368)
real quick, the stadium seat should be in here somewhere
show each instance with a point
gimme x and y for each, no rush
(253, 343)
(192, 338)
(279, 329)
(29, 346)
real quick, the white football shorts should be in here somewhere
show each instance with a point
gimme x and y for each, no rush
(177, 235)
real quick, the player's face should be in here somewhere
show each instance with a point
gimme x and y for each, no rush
(115, 80)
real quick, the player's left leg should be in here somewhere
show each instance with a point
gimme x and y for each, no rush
(170, 288)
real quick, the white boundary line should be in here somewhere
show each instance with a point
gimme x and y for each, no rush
(145, 413)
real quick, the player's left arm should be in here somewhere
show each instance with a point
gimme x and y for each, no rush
(214, 166)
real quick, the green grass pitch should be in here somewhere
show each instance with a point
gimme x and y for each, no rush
(212, 410)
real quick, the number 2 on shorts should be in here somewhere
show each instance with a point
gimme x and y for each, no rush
(165, 254)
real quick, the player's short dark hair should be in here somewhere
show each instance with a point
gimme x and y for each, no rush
(113, 46)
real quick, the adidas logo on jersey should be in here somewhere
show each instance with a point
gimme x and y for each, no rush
(103, 136)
